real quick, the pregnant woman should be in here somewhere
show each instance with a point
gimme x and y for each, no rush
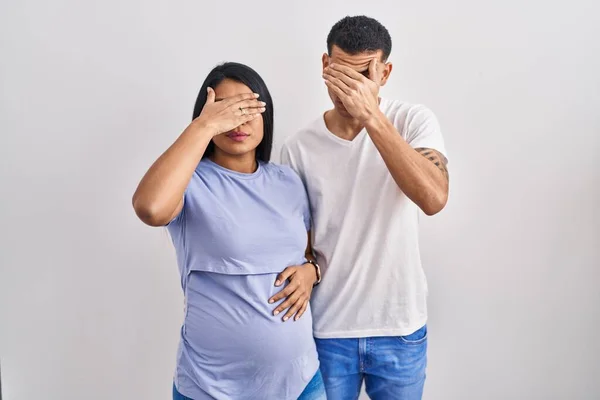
(236, 220)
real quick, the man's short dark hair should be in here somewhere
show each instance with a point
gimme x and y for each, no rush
(360, 34)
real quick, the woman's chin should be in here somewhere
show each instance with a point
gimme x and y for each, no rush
(237, 150)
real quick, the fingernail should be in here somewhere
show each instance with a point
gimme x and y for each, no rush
(262, 103)
(271, 301)
(296, 319)
(277, 283)
(285, 318)
(276, 312)
(256, 95)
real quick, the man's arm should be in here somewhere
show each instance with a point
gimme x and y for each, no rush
(420, 173)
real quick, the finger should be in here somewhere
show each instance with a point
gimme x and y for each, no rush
(252, 111)
(285, 275)
(348, 81)
(289, 289)
(250, 117)
(301, 311)
(347, 71)
(294, 309)
(245, 112)
(210, 96)
(240, 97)
(373, 74)
(252, 103)
(288, 303)
(336, 90)
(244, 119)
(339, 84)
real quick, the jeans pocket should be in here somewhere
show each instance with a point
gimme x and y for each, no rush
(418, 337)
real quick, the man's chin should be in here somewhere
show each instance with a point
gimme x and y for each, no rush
(342, 110)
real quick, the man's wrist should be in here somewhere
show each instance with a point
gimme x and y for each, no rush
(375, 122)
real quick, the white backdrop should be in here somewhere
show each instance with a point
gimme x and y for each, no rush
(92, 92)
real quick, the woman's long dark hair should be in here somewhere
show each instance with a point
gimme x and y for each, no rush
(246, 75)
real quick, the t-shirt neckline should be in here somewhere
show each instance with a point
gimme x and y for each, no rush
(360, 134)
(236, 174)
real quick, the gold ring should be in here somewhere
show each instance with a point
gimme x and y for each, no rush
(243, 111)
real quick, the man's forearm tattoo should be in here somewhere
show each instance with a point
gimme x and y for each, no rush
(435, 157)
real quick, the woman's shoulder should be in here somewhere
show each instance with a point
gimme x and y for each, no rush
(281, 169)
(282, 172)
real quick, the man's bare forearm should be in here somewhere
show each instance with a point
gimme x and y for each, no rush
(416, 174)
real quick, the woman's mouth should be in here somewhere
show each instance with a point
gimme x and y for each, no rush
(237, 136)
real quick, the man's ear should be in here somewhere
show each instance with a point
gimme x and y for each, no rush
(325, 60)
(387, 70)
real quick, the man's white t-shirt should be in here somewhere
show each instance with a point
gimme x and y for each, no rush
(365, 230)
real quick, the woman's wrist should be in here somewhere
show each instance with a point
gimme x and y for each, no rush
(316, 271)
(195, 139)
(201, 127)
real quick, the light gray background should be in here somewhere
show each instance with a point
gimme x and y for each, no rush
(92, 92)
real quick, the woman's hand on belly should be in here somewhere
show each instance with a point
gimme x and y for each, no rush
(297, 293)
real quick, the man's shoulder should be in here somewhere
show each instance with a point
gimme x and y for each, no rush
(303, 135)
(408, 117)
(397, 108)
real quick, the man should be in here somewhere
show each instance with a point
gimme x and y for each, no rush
(369, 165)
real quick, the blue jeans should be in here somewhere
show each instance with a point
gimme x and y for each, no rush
(392, 367)
(315, 390)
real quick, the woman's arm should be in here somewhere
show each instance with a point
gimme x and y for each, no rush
(297, 293)
(159, 196)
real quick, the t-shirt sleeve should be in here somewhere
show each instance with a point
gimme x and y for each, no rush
(306, 210)
(285, 157)
(178, 219)
(423, 130)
